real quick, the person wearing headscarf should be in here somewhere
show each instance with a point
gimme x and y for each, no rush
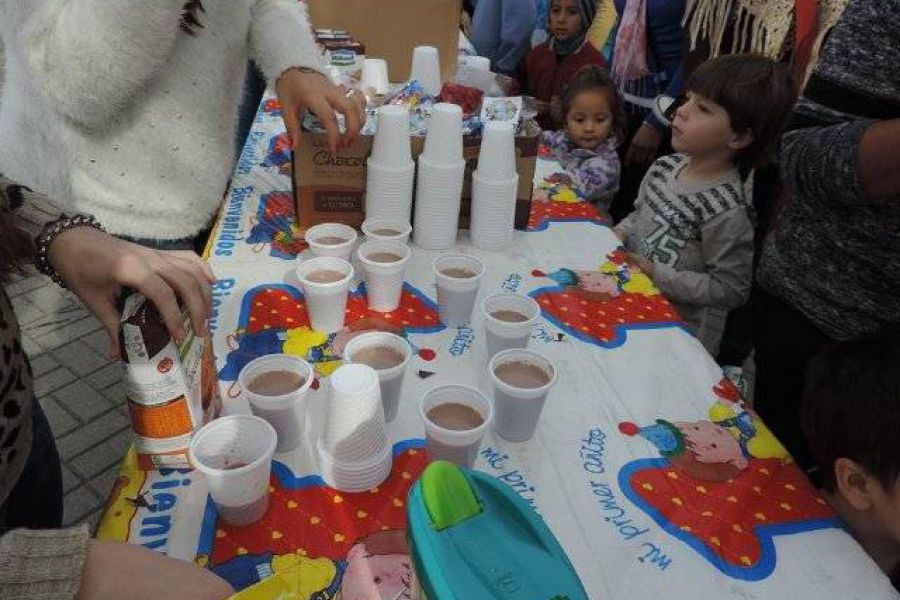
(549, 66)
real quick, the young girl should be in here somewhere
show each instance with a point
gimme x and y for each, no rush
(586, 147)
(548, 67)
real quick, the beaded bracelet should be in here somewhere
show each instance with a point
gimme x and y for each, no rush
(49, 233)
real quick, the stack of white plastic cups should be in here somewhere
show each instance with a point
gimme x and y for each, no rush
(390, 170)
(354, 452)
(440, 180)
(494, 186)
(426, 68)
(383, 263)
(375, 75)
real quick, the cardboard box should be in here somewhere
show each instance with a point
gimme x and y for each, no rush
(333, 189)
(390, 29)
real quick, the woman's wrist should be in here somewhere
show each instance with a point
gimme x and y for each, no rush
(50, 234)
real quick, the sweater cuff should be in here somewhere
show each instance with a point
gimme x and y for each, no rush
(281, 38)
(44, 565)
(663, 275)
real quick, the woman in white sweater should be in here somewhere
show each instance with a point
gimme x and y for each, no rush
(127, 109)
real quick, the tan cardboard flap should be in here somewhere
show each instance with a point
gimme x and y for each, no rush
(390, 29)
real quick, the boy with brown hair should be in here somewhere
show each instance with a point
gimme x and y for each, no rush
(692, 227)
(851, 420)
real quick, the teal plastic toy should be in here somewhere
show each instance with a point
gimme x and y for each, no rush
(473, 538)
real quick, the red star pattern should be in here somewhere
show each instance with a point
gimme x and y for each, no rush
(320, 521)
(601, 320)
(541, 212)
(723, 515)
(277, 308)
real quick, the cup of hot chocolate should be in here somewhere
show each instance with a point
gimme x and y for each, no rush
(325, 282)
(388, 354)
(384, 263)
(456, 417)
(521, 380)
(509, 320)
(331, 239)
(276, 385)
(387, 230)
(234, 453)
(458, 277)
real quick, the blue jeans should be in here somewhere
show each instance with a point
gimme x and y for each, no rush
(36, 501)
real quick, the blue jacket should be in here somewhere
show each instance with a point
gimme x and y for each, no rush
(501, 31)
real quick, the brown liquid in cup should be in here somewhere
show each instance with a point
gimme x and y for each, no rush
(331, 240)
(455, 416)
(386, 232)
(458, 272)
(325, 276)
(378, 357)
(276, 383)
(521, 375)
(384, 257)
(510, 316)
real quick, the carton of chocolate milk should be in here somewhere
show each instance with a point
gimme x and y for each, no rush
(171, 387)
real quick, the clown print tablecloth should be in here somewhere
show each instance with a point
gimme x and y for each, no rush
(655, 475)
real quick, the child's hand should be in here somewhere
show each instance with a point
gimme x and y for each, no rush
(640, 262)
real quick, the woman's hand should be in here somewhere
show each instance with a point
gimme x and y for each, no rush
(644, 145)
(96, 266)
(300, 88)
(113, 570)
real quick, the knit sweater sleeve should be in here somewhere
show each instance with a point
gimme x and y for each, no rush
(727, 247)
(92, 57)
(822, 162)
(42, 565)
(281, 37)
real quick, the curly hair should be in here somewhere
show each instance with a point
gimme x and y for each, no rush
(594, 78)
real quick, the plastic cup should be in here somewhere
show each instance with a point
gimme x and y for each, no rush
(354, 453)
(283, 411)
(389, 191)
(517, 410)
(493, 212)
(387, 230)
(443, 141)
(325, 301)
(481, 63)
(459, 446)
(503, 334)
(426, 68)
(456, 294)
(323, 240)
(234, 454)
(497, 155)
(438, 198)
(391, 148)
(390, 378)
(375, 75)
(384, 279)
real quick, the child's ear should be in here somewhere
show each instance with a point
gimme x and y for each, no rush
(741, 140)
(854, 483)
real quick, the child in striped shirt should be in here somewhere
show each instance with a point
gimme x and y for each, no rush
(586, 148)
(692, 227)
